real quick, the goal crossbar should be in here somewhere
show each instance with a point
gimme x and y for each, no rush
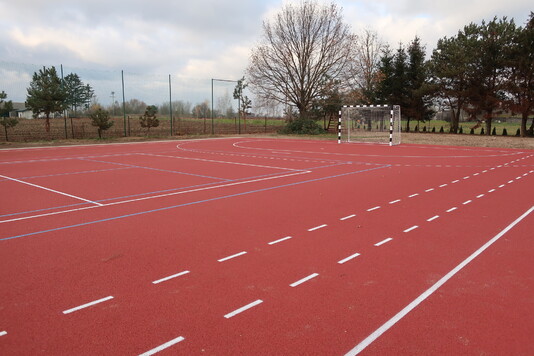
(370, 124)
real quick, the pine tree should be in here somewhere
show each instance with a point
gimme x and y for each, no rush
(100, 119)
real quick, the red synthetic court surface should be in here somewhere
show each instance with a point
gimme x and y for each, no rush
(247, 246)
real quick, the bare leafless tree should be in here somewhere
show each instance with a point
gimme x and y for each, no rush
(369, 49)
(303, 46)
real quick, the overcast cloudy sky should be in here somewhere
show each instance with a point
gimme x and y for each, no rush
(202, 39)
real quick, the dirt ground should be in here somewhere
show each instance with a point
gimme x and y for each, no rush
(407, 138)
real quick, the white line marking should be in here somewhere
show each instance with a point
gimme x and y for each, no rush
(443, 185)
(526, 174)
(502, 185)
(394, 201)
(280, 240)
(51, 190)
(170, 277)
(451, 209)
(383, 241)
(433, 218)
(2, 333)
(233, 256)
(480, 196)
(391, 322)
(317, 227)
(348, 258)
(455, 181)
(476, 174)
(375, 208)
(429, 190)
(348, 217)
(68, 311)
(517, 178)
(163, 346)
(242, 309)
(491, 190)
(413, 195)
(485, 171)
(156, 196)
(467, 202)
(411, 228)
(305, 279)
(510, 181)
(467, 177)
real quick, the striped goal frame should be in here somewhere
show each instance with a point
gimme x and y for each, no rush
(370, 124)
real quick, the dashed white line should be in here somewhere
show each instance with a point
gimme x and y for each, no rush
(413, 195)
(451, 209)
(280, 240)
(455, 181)
(383, 241)
(317, 227)
(480, 196)
(517, 178)
(233, 256)
(467, 202)
(163, 346)
(68, 311)
(467, 177)
(429, 190)
(2, 333)
(502, 185)
(443, 185)
(476, 174)
(491, 190)
(348, 217)
(394, 201)
(411, 228)
(433, 218)
(510, 181)
(485, 171)
(348, 258)
(305, 279)
(170, 277)
(375, 208)
(242, 309)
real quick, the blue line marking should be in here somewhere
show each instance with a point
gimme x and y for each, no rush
(191, 203)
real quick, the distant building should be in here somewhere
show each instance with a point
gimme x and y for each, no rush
(21, 111)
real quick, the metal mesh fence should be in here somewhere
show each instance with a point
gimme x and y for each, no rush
(184, 105)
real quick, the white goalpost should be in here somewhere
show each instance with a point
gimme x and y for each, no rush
(370, 124)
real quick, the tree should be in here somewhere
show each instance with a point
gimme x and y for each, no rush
(366, 69)
(100, 118)
(302, 45)
(5, 108)
(78, 93)
(149, 119)
(521, 80)
(46, 94)
(244, 102)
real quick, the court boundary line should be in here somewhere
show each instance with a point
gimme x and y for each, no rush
(401, 314)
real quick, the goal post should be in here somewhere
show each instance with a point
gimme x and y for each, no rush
(370, 124)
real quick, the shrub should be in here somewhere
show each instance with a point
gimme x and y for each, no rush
(302, 126)
(482, 131)
(518, 132)
(434, 129)
(494, 132)
(441, 130)
(504, 132)
(472, 132)
(461, 130)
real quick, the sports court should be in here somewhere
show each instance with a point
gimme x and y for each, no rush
(262, 246)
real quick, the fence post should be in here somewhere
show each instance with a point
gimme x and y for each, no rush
(123, 103)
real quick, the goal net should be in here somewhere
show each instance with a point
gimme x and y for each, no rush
(370, 124)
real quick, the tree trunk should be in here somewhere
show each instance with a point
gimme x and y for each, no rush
(47, 123)
(5, 129)
(531, 129)
(524, 118)
(488, 123)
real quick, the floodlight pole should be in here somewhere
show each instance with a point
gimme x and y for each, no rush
(218, 80)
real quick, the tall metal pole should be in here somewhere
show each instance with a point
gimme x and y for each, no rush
(123, 103)
(170, 101)
(212, 106)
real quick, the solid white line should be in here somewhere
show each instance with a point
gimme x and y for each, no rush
(233, 256)
(413, 195)
(305, 279)
(467, 202)
(429, 190)
(163, 346)
(87, 305)
(348, 258)
(451, 209)
(375, 208)
(282, 239)
(411, 228)
(170, 277)
(391, 322)
(348, 217)
(383, 241)
(394, 201)
(242, 309)
(156, 196)
(433, 218)
(2, 333)
(51, 190)
(317, 227)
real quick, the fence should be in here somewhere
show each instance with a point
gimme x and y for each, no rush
(190, 105)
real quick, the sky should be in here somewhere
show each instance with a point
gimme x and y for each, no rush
(192, 41)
